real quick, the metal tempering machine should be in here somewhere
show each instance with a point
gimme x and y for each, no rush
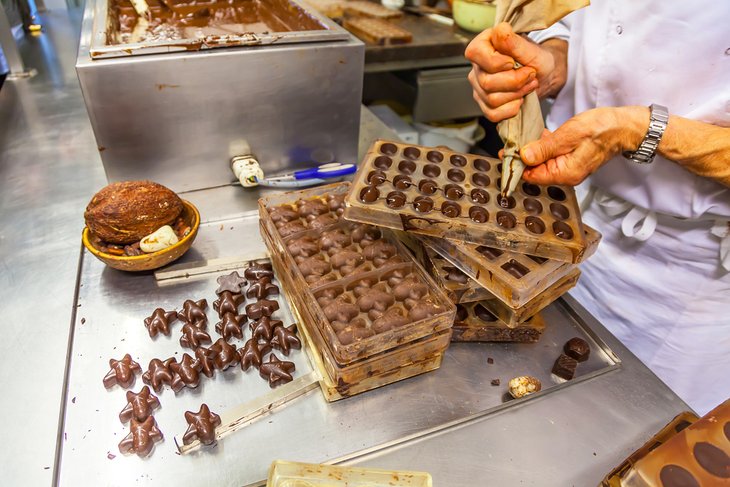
(174, 94)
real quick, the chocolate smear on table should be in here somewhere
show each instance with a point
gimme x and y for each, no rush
(193, 335)
(159, 322)
(139, 405)
(122, 372)
(228, 302)
(231, 326)
(276, 371)
(285, 339)
(252, 353)
(232, 282)
(193, 311)
(201, 426)
(141, 438)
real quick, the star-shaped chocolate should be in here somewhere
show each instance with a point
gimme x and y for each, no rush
(139, 406)
(201, 426)
(193, 311)
(225, 356)
(158, 373)
(122, 372)
(285, 339)
(141, 438)
(276, 371)
(262, 307)
(159, 322)
(231, 326)
(256, 271)
(187, 373)
(252, 353)
(232, 282)
(263, 288)
(193, 335)
(204, 357)
(263, 328)
(228, 302)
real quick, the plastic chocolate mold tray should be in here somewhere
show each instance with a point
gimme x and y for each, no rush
(512, 277)
(437, 192)
(407, 360)
(418, 319)
(313, 211)
(459, 287)
(475, 323)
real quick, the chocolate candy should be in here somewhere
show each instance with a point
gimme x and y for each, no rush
(204, 357)
(565, 366)
(193, 311)
(232, 283)
(230, 326)
(158, 373)
(187, 373)
(193, 335)
(261, 289)
(523, 386)
(578, 349)
(159, 322)
(141, 438)
(276, 371)
(252, 353)
(122, 372)
(201, 426)
(228, 303)
(139, 406)
(254, 272)
(262, 307)
(495, 382)
(225, 356)
(285, 339)
(263, 328)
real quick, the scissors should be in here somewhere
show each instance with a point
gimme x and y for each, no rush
(308, 177)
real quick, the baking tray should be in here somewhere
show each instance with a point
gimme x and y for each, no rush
(439, 318)
(296, 474)
(441, 193)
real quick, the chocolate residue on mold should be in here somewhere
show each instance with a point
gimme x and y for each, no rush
(479, 196)
(453, 192)
(431, 171)
(435, 156)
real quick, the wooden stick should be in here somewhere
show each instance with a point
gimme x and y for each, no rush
(200, 267)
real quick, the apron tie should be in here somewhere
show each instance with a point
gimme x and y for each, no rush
(721, 229)
(639, 224)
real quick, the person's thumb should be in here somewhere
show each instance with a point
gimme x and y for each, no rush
(539, 151)
(507, 42)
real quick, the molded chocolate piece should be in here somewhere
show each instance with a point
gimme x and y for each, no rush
(262, 307)
(122, 372)
(285, 339)
(369, 194)
(407, 167)
(458, 160)
(565, 366)
(232, 283)
(577, 348)
(479, 196)
(450, 209)
(193, 311)
(353, 332)
(495, 382)
(412, 153)
(374, 299)
(255, 272)
(287, 229)
(334, 239)
(193, 335)
(187, 373)
(453, 192)
(282, 214)
(424, 309)
(158, 373)
(676, 476)
(228, 302)
(201, 426)
(482, 165)
(323, 221)
(139, 406)
(712, 459)
(230, 326)
(204, 357)
(276, 371)
(312, 208)
(431, 171)
(410, 289)
(456, 175)
(141, 438)
(261, 289)
(302, 247)
(434, 156)
(339, 310)
(388, 149)
(159, 322)
(225, 356)
(392, 318)
(252, 353)
(383, 162)
(263, 328)
(478, 214)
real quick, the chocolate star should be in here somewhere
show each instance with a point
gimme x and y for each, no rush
(232, 282)
(261, 289)
(158, 373)
(141, 438)
(187, 373)
(193, 311)
(262, 307)
(375, 300)
(365, 233)
(230, 326)
(193, 335)
(282, 214)
(204, 357)
(262, 329)
(256, 271)
(201, 426)
(159, 322)
(285, 339)
(335, 239)
(253, 353)
(312, 208)
(225, 356)
(228, 303)
(139, 406)
(122, 372)
(276, 371)
(303, 246)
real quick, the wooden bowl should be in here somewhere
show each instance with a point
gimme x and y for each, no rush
(155, 260)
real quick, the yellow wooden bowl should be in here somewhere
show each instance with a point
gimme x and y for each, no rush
(474, 15)
(155, 260)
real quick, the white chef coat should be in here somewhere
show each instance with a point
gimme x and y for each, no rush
(665, 295)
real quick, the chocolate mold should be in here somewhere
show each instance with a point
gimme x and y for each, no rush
(514, 278)
(407, 187)
(475, 323)
(312, 213)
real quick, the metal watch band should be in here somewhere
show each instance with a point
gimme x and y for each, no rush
(658, 120)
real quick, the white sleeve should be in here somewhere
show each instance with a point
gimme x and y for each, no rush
(559, 30)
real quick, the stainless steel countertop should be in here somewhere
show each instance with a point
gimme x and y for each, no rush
(50, 168)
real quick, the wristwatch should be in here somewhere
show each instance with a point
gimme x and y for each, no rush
(658, 120)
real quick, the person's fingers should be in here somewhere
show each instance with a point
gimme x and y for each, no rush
(549, 146)
(512, 80)
(502, 112)
(553, 171)
(494, 100)
(505, 41)
(480, 51)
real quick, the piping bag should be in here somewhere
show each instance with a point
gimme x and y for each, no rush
(516, 132)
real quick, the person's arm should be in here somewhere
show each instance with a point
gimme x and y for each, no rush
(585, 142)
(498, 87)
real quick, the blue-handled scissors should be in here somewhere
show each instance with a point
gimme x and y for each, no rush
(310, 176)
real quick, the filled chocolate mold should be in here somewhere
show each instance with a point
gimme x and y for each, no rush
(459, 287)
(474, 322)
(514, 278)
(405, 187)
(314, 213)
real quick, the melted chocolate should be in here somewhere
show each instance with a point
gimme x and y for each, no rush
(407, 167)
(506, 220)
(427, 186)
(451, 209)
(435, 156)
(453, 192)
(506, 202)
(375, 178)
(534, 225)
(412, 153)
(478, 214)
(388, 149)
(402, 182)
(456, 175)
(395, 199)
(458, 160)
(712, 459)
(479, 196)
(431, 171)
(383, 162)
(480, 179)
(482, 165)
(562, 230)
(369, 194)
(676, 476)
(423, 204)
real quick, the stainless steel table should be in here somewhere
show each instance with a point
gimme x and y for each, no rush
(50, 168)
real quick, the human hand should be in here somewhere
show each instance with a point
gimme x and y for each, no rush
(582, 144)
(498, 87)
